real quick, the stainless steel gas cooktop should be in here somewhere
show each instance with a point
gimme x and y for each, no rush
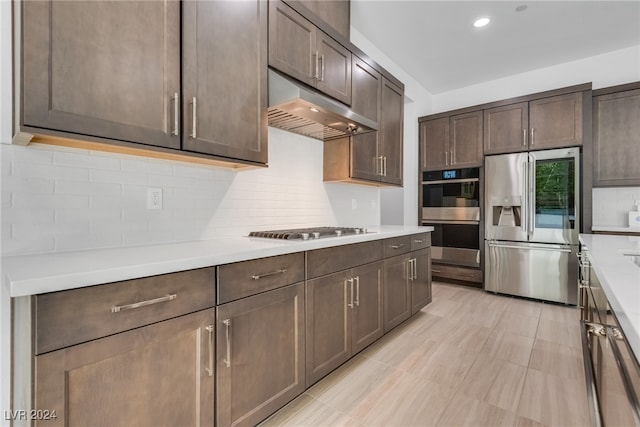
(309, 233)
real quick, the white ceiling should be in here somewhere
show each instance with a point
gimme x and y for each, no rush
(436, 43)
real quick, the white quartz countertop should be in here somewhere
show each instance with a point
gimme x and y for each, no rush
(34, 274)
(619, 278)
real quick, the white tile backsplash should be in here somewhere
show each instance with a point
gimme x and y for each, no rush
(612, 204)
(59, 198)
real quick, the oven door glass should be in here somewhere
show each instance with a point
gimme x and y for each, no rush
(456, 243)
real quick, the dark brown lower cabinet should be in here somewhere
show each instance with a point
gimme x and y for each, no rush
(260, 358)
(397, 291)
(156, 375)
(420, 279)
(344, 315)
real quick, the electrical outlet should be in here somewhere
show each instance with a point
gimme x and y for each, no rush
(154, 198)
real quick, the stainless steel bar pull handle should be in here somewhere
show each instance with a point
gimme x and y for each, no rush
(321, 68)
(385, 166)
(209, 369)
(415, 268)
(381, 162)
(176, 107)
(398, 246)
(418, 240)
(446, 158)
(350, 281)
(227, 360)
(315, 68)
(452, 159)
(532, 140)
(273, 273)
(524, 137)
(119, 308)
(357, 291)
(194, 118)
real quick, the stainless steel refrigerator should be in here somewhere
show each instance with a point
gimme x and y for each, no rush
(532, 223)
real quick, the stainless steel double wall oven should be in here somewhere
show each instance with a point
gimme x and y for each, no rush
(450, 203)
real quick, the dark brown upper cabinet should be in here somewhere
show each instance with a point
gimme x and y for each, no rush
(550, 122)
(366, 90)
(451, 141)
(616, 136)
(390, 135)
(104, 69)
(225, 78)
(301, 50)
(374, 157)
(110, 72)
(335, 13)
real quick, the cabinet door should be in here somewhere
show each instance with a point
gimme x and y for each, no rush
(334, 68)
(466, 140)
(157, 375)
(225, 78)
(104, 69)
(506, 129)
(397, 291)
(292, 43)
(434, 144)
(336, 13)
(391, 132)
(366, 90)
(260, 358)
(365, 162)
(421, 281)
(328, 324)
(555, 121)
(367, 324)
(616, 138)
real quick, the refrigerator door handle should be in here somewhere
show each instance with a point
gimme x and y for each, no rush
(524, 216)
(532, 196)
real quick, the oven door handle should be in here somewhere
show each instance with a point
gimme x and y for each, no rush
(452, 222)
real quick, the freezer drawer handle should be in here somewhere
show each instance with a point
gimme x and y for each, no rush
(493, 245)
(119, 308)
(273, 273)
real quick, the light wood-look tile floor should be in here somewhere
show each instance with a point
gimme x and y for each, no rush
(470, 358)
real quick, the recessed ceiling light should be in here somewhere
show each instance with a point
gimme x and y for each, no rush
(481, 22)
(315, 110)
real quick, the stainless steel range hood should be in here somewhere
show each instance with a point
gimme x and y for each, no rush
(296, 108)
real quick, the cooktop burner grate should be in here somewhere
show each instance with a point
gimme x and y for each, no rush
(308, 233)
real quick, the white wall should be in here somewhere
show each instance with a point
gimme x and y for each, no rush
(5, 136)
(609, 69)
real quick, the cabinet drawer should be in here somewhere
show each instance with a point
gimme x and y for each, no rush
(246, 278)
(420, 241)
(397, 246)
(70, 317)
(329, 260)
(457, 273)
